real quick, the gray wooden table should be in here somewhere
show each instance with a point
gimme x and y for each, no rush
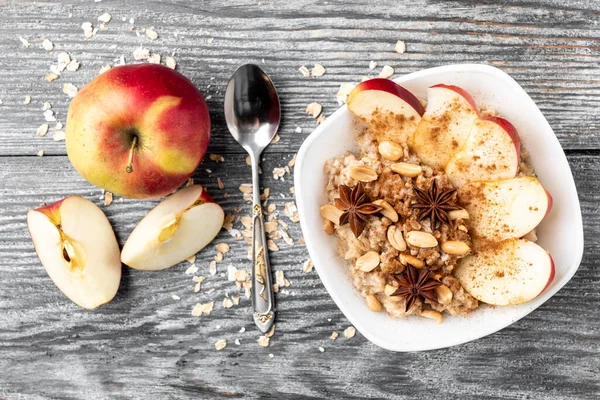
(145, 344)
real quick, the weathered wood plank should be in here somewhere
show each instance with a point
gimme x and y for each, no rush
(144, 344)
(550, 49)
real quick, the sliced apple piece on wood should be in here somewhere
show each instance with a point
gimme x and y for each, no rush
(445, 125)
(491, 152)
(177, 228)
(506, 273)
(78, 249)
(504, 209)
(390, 110)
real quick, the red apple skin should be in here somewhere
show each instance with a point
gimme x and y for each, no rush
(52, 211)
(461, 92)
(550, 203)
(205, 197)
(158, 105)
(552, 273)
(510, 130)
(386, 85)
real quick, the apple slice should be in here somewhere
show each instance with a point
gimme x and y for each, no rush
(177, 228)
(390, 110)
(506, 273)
(78, 249)
(445, 125)
(492, 152)
(505, 209)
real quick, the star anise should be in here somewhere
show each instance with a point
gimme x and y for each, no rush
(435, 204)
(356, 206)
(415, 284)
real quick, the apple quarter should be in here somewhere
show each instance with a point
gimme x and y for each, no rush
(561, 231)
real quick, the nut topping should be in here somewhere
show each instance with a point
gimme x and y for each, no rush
(368, 261)
(390, 150)
(444, 294)
(407, 169)
(373, 303)
(412, 260)
(421, 239)
(387, 210)
(331, 213)
(363, 174)
(394, 236)
(455, 247)
(458, 214)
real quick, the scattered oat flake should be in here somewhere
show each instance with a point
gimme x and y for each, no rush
(47, 45)
(69, 89)
(307, 266)
(210, 40)
(189, 182)
(304, 71)
(24, 41)
(343, 92)
(280, 278)
(386, 71)
(216, 157)
(107, 198)
(40, 153)
(272, 245)
(105, 18)
(236, 301)
(222, 247)
(212, 267)
(51, 77)
(221, 344)
(151, 33)
(42, 130)
(175, 297)
(263, 341)
(46, 106)
(27, 99)
(218, 257)
(334, 335)
(58, 136)
(88, 29)
(314, 109)
(141, 53)
(318, 70)
(246, 188)
(154, 59)
(298, 129)
(276, 138)
(63, 58)
(278, 173)
(400, 47)
(227, 303)
(321, 119)
(192, 269)
(248, 160)
(271, 355)
(191, 259)
(49, 116)
(228, 221)
(349, 332)
(220, 184)
(373, 64)
(170, 62)
(237, 342)
(321, 349)
(73, 66)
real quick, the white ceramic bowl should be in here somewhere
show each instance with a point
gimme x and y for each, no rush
(561, 232)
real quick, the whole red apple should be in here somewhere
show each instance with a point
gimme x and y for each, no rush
(138, 131)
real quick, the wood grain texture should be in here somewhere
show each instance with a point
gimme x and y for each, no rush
(146, 345)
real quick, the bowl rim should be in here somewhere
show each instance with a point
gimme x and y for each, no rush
(314, 137)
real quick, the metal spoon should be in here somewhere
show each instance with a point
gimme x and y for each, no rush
(252, 113)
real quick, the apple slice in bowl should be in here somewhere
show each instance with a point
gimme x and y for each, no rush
(78, 249)
(491, 152)
(506, 273)
(391, 111)
(445, 125)
(177, 228)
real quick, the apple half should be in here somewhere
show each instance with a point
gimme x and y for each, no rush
(504, 209)
(177, 228)
(491, 152)
(506, 273)
(78, 248)
(390, 110)
(445, 125)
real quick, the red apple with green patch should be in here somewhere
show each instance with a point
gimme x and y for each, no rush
(138, 131)
(390, 110)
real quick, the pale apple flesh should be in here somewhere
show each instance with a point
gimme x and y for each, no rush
(504, 209)
(391, 111)
(177, 228)
(445, 126)
(78, 248)
(138, 131)
(507, 273)
(491, 152)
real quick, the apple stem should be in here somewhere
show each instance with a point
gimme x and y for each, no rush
(129, 168)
